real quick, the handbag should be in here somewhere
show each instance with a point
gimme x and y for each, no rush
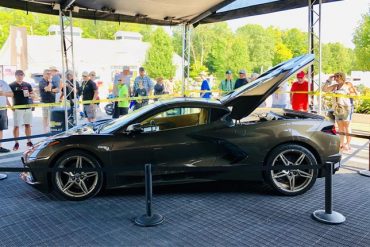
(341, 112)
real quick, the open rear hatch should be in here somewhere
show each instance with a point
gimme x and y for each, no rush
(247, 98)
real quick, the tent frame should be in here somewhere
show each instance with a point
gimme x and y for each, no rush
(66, 22)
(314, 35)
(186, 42)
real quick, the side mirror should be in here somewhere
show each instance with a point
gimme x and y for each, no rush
(134, 128)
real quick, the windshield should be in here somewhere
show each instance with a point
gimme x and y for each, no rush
(124, 120)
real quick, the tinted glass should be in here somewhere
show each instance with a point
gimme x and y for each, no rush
(175, 118)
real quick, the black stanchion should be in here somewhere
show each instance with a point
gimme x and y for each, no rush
(3, 176)
(149, 219)
(328, 216)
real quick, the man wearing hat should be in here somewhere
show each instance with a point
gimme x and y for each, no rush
(227, 85)
(22, 94)
(299, 101)
(147, 82)
(242, 79)
(89, 91)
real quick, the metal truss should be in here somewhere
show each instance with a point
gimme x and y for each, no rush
(314, 37)
(66, 23)
(186, 40)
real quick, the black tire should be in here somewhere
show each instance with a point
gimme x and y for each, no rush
(291, 182)
(77, 186)
(109, 109)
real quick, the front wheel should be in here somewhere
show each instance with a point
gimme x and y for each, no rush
(109, 109)
(77, 185)
(291, 182)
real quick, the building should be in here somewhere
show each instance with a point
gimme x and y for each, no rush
(106, 57)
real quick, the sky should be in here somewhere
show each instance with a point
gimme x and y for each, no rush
(338, 20)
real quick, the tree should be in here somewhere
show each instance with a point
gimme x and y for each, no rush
(296, 41)
(38, 24)
(159, 56)
(237, 56)
(281, 51)
(196, 68)
(281, 54)
(220, 42)
(177, 40)
(336, 57)
(260, 46)
(361, 40)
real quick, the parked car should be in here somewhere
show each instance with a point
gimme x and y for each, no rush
(191, 140)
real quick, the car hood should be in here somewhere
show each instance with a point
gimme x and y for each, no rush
(84, 129)
(247, 98)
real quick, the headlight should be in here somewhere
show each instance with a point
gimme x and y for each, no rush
(31, 154)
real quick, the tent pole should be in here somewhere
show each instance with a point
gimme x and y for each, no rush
(314, 34)
(185, 56)
(64, 65)
(66, 24)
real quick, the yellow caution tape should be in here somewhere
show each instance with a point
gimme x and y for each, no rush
(168, 96)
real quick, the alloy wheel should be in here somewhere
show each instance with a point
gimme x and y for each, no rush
(292, 181)
(77, 184)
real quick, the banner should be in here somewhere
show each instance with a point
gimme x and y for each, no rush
(18, 47)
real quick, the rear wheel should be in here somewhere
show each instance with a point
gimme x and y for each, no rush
(291, 182)
(77, 185)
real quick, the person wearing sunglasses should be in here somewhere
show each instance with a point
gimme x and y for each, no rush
(89, 91)
(342, 105)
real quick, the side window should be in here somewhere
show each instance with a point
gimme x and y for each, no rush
(174, 118)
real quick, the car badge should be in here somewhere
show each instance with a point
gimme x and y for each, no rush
(106, 148)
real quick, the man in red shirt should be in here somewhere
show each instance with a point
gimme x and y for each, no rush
(299, 101)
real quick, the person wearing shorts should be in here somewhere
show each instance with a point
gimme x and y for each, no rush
(345, 88)
(5, 92)
(22, 94)
(48, 90)
(89, 91)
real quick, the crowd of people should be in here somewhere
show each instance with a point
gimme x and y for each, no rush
(51, 89)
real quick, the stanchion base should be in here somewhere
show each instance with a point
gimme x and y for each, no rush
(333, 218)
(364, 173)
(146, 221)
(3, 176)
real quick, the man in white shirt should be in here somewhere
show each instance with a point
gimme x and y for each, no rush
(280, 99)
(5, 92)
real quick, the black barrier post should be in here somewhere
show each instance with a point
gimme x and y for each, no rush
(3, 176)
(328, 216)
(149, 219)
